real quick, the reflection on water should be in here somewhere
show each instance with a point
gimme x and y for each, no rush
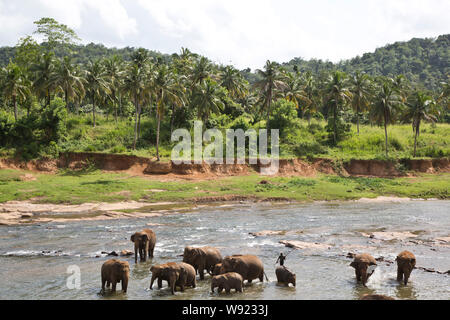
(34, 258)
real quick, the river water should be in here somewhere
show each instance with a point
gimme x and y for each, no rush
(34, 258)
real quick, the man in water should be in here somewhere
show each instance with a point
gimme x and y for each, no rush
(281, 258)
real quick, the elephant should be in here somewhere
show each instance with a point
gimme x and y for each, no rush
(156, 271)
(175, 273)
(114, 271)
(216, 269)
(406, 262)
(144, 242)
(227, 281)
(284, 275)
(248, 266)
(363, 264)
(376, 297)
(204, 258)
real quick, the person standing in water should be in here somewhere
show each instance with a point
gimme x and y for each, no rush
(281, 258)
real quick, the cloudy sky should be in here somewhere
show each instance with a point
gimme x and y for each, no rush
(244, 33)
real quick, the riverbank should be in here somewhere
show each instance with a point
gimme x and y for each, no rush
(95, 194)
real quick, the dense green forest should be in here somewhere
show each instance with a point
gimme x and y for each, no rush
(58, 96)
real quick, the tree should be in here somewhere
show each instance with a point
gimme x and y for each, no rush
(55, 33)
(43, 73)
(232, 80)
(201, 71)
(115, 73)
(14, 85)
(387, 103)
(97, 83)
(421, 107)
(208, 98)
(360, 88)
(338, 94)
(272, 79)
(294, 91)
(135, 86)
(66, 79)
(310, 90)
(167, 91)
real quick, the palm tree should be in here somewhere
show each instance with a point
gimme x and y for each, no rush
(114, 72)
(338, 94)
(97, 83)
(294, 90)
(167, 91)
(66, 79)
(272, 79)
(208, 97)
(14, 85)
(310, 89)
(135, 85)
(385, 107)
(421, 107)
(360, 88)
(232, 80)
(43, 73)
(201, 71)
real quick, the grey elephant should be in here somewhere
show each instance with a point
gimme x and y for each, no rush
(144, 243)
(216, 269)
(203, 258)
(227, 281)
(406, 262)
(177, 274)
(114, 271)
(250, 267)
(284, 275)
(364, 265)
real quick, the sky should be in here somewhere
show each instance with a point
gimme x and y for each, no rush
(244, 33)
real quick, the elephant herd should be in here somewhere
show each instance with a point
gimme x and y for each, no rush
(226, 273)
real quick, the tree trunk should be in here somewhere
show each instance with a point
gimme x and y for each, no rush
(415, 137)
(15, 106)
(93, 109)
(66, 99)
(157, 136)
(135, 123)
(357, 118)
(334, 123)
(268, 108)
(172, 118)
(139, 123)
(385, 134)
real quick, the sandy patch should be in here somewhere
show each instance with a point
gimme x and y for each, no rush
(383, 199)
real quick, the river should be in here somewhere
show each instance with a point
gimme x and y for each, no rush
(34, 258)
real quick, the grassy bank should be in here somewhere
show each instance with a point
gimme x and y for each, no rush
(302, 140)
(93, 186)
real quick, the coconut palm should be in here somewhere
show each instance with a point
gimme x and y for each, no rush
(386, 104)
(167, 91)
(232, 80)
(66, 79)
(135, 86)
(294, 90)
(43, 73)
(14, 85)
(114, 72)
(360, 88)
(272, 79)
(338, 94)
(421, 107)
(97, 83)
(208, 97)
(201, 71)
(310, 90)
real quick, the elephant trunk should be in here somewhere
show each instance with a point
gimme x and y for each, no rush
(125, 282)
(135, 252)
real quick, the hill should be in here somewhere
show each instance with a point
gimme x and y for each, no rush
(422, 61)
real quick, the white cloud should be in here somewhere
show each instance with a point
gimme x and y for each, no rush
(243, 32)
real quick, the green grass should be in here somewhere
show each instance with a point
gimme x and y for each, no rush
(96, 186)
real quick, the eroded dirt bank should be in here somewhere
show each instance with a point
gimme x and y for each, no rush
(146, 166)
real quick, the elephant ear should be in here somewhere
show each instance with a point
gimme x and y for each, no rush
(354, 264)
(145, 237)
(132, 237)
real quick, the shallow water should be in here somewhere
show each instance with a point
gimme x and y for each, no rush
(34, 258)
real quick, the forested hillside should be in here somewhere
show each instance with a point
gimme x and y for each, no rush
(422, 61)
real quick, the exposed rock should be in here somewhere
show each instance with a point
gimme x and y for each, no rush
(268, 233)
(27, 177)
(305, 245)
(387, 236)
(125, 253)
